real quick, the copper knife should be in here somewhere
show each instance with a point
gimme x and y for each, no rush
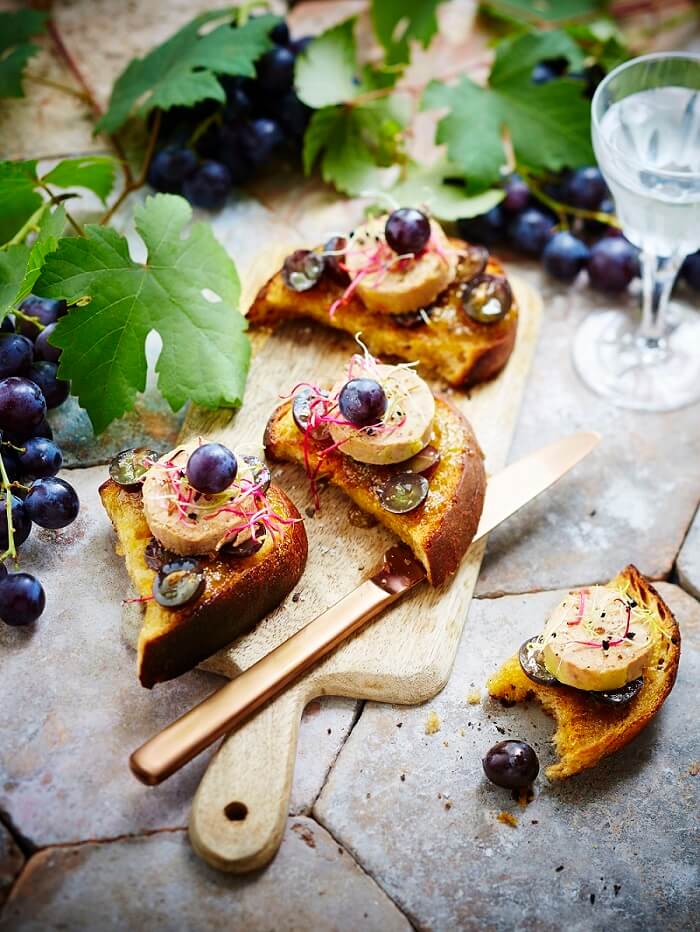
(506, 492)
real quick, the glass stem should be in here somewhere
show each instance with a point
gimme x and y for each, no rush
(658, 276)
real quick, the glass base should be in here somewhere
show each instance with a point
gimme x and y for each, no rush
(649, 375)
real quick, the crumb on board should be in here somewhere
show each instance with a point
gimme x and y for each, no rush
(432, 723)
(694, 769)
(507, 818)
(474, 697)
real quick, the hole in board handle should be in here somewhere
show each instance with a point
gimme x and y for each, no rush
(236, 812)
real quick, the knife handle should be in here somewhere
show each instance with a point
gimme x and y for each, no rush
(168, 751)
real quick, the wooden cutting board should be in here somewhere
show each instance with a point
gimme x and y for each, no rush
(240, 809)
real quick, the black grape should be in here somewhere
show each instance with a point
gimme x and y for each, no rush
(16, 354)
(52, 503)
(22, 599)
(22, 404)
(55, 390)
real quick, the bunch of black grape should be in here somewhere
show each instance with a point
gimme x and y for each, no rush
(206, 150)
(530, 227)
(29, 385)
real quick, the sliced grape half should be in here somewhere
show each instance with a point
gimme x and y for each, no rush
(487, 298)
(621, 696)
(473, 263)
(302, 269)
(403, 492)
(261, 473)
(530, 657)
(129, 467)
(178, 583)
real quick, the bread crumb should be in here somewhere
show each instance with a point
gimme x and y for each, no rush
(694, 769)
(432, 723)
(474, 697)
(461, 732)
(446, 743)
(507, 819)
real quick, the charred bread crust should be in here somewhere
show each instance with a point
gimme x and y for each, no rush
(462, 351)
(239, 591)
(586, 730)
(441, 529)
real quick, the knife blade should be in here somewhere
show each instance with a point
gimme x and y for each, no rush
(506, 492)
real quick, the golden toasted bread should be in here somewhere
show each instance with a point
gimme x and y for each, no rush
(459, 349)
(239, 590)
(440, 530)
(586, 730)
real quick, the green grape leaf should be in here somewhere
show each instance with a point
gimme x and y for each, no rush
(432, 187)
(551, 11)
(397, 22)
(182, 71)
(95, 172)
(205, 354)
(18, 198)
(354, 144)
(326, 72)
(15, 50)
(548, 124)
(20, 265)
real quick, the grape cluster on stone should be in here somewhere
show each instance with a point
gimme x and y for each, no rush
(206, 150)
(31, 493)
(522, 221)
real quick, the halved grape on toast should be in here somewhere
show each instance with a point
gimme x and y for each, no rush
(406, 457)
(415, 295)
(210, 545)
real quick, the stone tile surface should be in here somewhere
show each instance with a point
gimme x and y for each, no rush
(325, 725)
(631, 500)
(11, 861)
(617, 844)
(688, 563)
(159, 884)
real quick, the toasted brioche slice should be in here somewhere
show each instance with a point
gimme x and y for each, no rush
(461, 350)
(586, 730)
(239, 591)
(440, 530)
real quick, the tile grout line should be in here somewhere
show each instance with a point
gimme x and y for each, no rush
(33, 850)
(361, 703)
(355, 859)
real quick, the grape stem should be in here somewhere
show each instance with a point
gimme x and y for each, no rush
(57, 200)
(56, 85)
(139, 182)
(7, 486)
(564, 210)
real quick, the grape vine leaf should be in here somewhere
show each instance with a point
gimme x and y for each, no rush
(205, 354)
(20, 265)
(95, 172)
(548, 124)
(352, 140)
(18, 197)
(327, 72)
(15, 51)
(354, 144)
(182, 71)
(397, 22)
(551, 11)
(438, 188)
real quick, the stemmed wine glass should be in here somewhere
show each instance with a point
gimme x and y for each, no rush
(646, 135)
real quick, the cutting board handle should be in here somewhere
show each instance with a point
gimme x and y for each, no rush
(240, 809)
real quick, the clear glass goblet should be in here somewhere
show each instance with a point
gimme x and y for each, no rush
(646, 134)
